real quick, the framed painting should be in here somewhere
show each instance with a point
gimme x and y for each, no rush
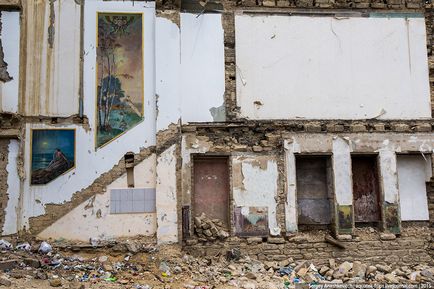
(119, 74)
(52, 154)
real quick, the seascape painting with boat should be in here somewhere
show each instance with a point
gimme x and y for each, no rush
(53, 154)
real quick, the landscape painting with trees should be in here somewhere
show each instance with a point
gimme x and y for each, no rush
(120, 88)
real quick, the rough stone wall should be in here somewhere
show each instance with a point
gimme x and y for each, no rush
(4, 152)
(367, 245)
(429, 18)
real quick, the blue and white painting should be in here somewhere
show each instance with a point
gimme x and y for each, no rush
(53, 154)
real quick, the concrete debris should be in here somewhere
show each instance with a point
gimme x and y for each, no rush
(208, 229)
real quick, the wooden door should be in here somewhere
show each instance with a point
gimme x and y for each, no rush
(366, 190)
(211, 187)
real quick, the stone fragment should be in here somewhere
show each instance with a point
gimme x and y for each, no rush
(345, 267)
(5, 281)
(323, 270)
(383, 268)
(371, 270)
(76, 285)
(8, 265)
(55, 282)
(302, 272)
(332, 263)
(250, 275)
(253, 240)
(359, 269)
(426, 273)
(390, 278)
(276, 240)
(32, 262)
(387, 236)
(102, 259)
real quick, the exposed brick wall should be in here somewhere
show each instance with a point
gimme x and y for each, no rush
(4, 152)
(408, 249)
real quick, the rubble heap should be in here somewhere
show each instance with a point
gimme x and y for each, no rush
(134, 265)
(209, 229)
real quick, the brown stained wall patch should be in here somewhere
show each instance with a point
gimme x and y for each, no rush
(3, 179)
(4, 74)
(391, 213)
(51, 26)
(345, 219)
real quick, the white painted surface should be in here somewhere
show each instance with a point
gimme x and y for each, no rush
(190, 144)
(168, 72)
(10, 37)
(52, 74)
(291, 217)
(259, 186)
(328, 68)
(13, 192)
(342, 179)
(82, 222)
(412, 175)
(166, 200)
(202, 66)
(389, 175)
(90, 164)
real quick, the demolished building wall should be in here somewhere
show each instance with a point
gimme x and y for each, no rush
(195, 70)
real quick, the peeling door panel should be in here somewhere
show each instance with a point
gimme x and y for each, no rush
(312, 190)
(365, 189)
(211, 188)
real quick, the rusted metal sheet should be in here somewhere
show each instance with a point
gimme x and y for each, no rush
(211, 187)
(312, 191)
(185, 222)
(366, 189)
(251, 221)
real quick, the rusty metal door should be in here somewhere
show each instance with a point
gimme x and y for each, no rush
(366, 192)
(211, 187)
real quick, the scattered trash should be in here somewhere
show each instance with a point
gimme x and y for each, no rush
(24, 247)
(111, 279)
(45, 248)
(5, 245)
(285, 271)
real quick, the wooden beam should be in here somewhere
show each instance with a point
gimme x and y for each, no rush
(10, 3)
(9, 133)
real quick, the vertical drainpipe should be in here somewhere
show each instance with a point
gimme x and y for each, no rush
(81, 90)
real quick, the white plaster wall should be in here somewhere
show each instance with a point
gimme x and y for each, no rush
(82, 222)
(52, 74)
(190, 144)
(412, 175)
(389, 175)
(91, 163)
(202, 66)
(342, 179)
(168, 72)
(10, 37)
(328, 67)
(13, 192)
(291, 217)
(166, 200)
(259, 187)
